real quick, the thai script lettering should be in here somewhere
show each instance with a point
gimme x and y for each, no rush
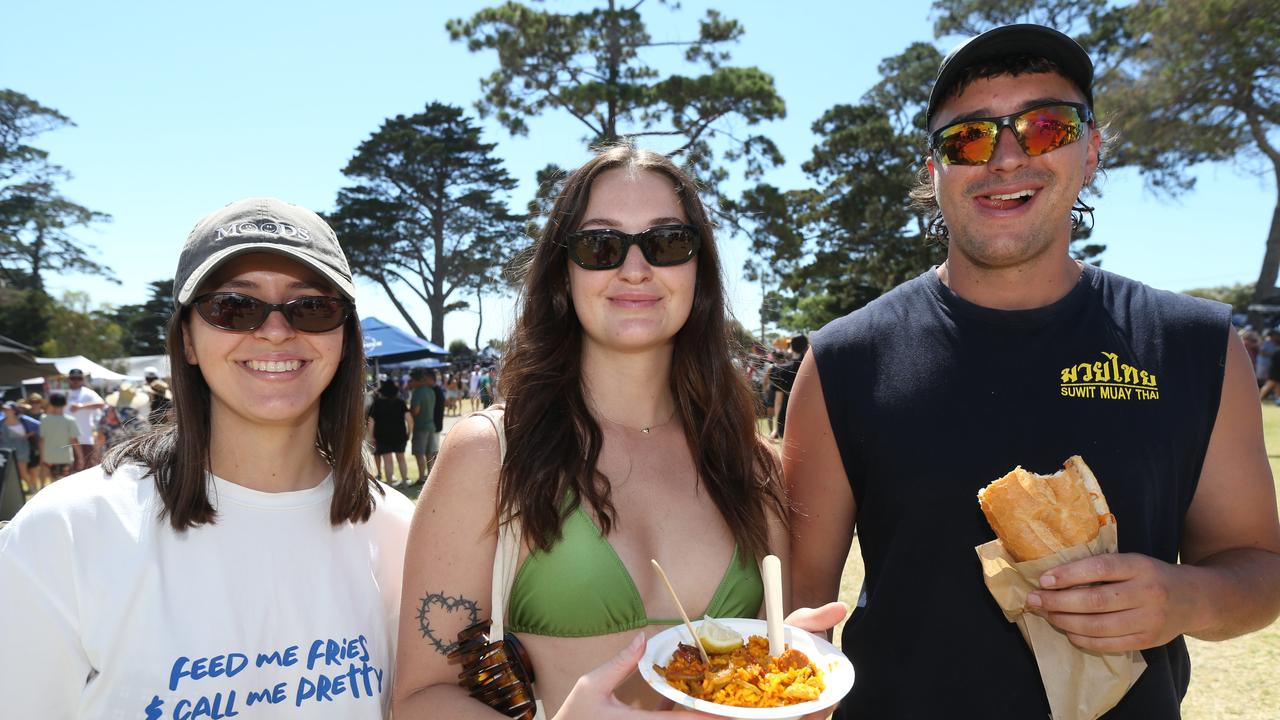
(1108, 379)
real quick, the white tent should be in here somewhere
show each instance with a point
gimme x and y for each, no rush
(87, 366)
(137, 365)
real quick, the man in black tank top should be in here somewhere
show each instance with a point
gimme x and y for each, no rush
(1012, 353)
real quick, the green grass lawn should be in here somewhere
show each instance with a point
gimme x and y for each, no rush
(1237, 679)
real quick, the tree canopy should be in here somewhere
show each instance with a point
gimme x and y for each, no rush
(143, 327)
(76, 327)
(36, 220)
(427, 212)
(1238, 296)
(596, 67)
(1180, 99)
(853, 235)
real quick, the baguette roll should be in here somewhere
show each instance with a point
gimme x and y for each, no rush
(1037, 515)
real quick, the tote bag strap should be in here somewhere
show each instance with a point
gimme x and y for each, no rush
(507, 554)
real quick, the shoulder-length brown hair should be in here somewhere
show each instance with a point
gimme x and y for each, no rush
(177, 455)
(554, 442)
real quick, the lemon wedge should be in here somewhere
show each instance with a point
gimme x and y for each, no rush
(716, 637)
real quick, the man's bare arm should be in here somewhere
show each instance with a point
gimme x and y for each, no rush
(823, 508)
(1228, 581)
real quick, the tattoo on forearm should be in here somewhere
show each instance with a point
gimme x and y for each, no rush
(434, 613)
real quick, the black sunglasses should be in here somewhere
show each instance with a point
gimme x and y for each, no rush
(237, 312)
(1039, 129)
(606, 248)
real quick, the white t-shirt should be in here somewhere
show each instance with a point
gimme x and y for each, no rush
(269, 613)
(85, 419)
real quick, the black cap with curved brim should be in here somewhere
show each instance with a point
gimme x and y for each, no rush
(260, 224)
(1006, 41)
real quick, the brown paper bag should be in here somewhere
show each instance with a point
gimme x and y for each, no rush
(1081, 685)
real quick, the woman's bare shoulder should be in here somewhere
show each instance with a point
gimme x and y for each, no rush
(465, 475)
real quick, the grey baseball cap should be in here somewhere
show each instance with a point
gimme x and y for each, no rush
(260, 224)
(1006, 41)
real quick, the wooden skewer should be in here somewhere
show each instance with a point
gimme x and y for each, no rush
(688, 625)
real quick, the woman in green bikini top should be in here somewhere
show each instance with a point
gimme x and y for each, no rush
(630, 435)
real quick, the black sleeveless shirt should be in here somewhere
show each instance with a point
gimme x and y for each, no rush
(931, 397)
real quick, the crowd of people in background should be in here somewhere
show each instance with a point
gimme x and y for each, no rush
(460, 390)
(410, 412)
(465, 387)
(1265, 359)
(71, 429)
(771, 374)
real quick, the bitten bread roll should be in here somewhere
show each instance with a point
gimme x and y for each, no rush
(1037, 515)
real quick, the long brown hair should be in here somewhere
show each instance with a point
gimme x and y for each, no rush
(554, 441)
(177, 455)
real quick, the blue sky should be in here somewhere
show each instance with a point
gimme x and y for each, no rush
(181, 108)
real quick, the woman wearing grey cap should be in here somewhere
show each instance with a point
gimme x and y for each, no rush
(241, 561)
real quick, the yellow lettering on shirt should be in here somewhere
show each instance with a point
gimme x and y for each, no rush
(1107, 379)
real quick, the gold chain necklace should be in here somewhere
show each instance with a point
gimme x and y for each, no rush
(647, 429)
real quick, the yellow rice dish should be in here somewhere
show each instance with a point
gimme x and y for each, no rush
(745, 677)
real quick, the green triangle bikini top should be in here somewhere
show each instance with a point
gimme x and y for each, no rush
(580, 588)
